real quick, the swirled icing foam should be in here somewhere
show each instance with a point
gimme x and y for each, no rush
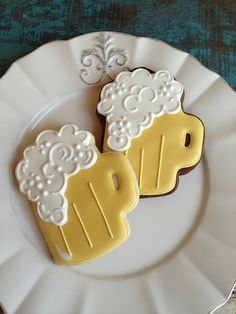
(133, 100)
(46, 165)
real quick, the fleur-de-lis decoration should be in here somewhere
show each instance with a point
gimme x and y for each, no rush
(101, 60)
(229, 306)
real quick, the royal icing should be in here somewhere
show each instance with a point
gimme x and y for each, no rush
(174, 142)
(133, 100)
(43, 172)
(97, 208)
(81, 213)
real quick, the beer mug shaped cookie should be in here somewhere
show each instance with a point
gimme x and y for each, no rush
(145, 121)
(80, 196)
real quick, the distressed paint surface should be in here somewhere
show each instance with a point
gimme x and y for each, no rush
(205, 29)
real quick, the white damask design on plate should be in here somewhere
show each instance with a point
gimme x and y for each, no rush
(133, 100)
(46, 165)
(101, 59)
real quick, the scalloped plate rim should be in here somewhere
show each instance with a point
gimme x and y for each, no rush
(11, 67)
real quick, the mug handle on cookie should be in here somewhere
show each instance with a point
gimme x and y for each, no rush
(192, 143)
(98, 199)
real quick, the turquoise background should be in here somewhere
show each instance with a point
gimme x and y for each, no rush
(205, 29)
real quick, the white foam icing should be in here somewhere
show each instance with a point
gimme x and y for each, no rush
(133, 100)
(46, 165)
(63, 255)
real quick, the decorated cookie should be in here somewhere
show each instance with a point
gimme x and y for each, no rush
(145, 122)
(80, 196)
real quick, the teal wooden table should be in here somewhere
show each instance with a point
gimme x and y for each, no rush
(204, 28)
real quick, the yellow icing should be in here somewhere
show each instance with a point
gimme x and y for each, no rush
(97, 205)
(159, 153)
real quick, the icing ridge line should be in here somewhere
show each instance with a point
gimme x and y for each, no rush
(133, 100)
(42, 173)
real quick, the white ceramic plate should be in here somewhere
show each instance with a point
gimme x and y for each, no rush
(180, 257)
